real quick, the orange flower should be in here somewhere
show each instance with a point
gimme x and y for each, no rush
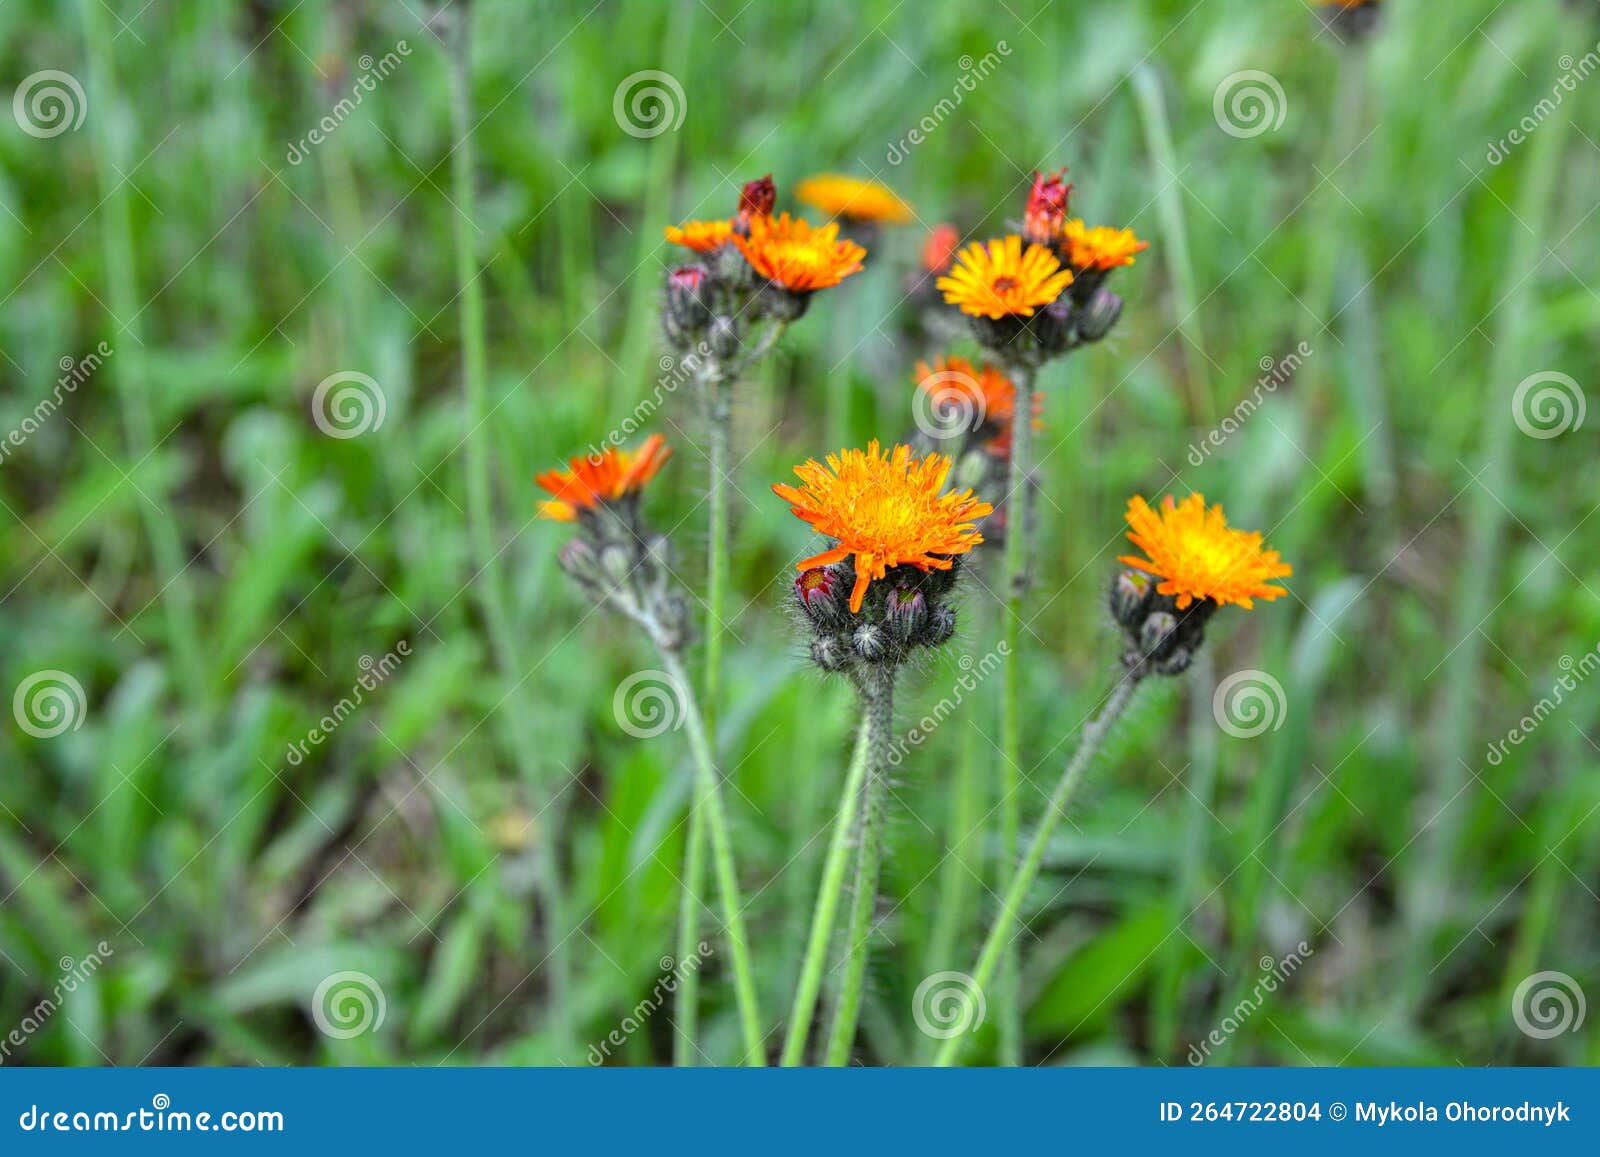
(1199, 556)
(986, 393)
(790, 252)
(853, 198)
(940, 247)
(701, 236)
(606, 477)
(1101, 247)
(886, 509)
(1004, 281)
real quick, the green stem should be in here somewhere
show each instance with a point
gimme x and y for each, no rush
(1016, 586)
(878, 707)
(474, 373)
(963, 865)
(715, 391)
(827, 905)
(161, 520)
(1000, 937)
(687, 1008)
(708, 798)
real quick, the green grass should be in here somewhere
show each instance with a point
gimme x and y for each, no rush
(183, 540)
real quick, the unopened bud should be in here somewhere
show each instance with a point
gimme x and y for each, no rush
(906, 613)
(870, 642)
(1130, 592)
(724, 338)
(1096, 319)
(687, 310)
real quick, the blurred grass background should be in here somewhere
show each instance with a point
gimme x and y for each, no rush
(183, 540)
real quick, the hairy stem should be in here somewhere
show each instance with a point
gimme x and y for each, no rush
(708, 799)
(1000, 935)
(877, 694)
(1016, 585)
(827, 905)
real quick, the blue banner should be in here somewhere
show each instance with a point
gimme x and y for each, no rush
(802, 1111)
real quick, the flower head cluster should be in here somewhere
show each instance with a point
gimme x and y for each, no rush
(1193, 563)
(898, 536)
(615, 559)
(1040, 293)
(751, 266)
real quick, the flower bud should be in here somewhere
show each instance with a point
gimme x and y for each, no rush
(756, 199)
(870, 642)
(724, 338)
(617, 563)
(906, 615)
(1047, 208)
(941, 626)
(1130, 594)
(830, 653)
(782, 304)
(687, 310)
(1099, 315)
(818, 591)
(1157, 632)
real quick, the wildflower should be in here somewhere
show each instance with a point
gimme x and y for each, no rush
(886, 509)
(1047, 208)
(687, 309)
(701, 236)
(1201, 563)
(853, 199)
(612, 476)
(940, 247)
(615, 559)
(791, 253)
(756, 199)
(1001, 280)
(968, 398)
(1101, 248)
